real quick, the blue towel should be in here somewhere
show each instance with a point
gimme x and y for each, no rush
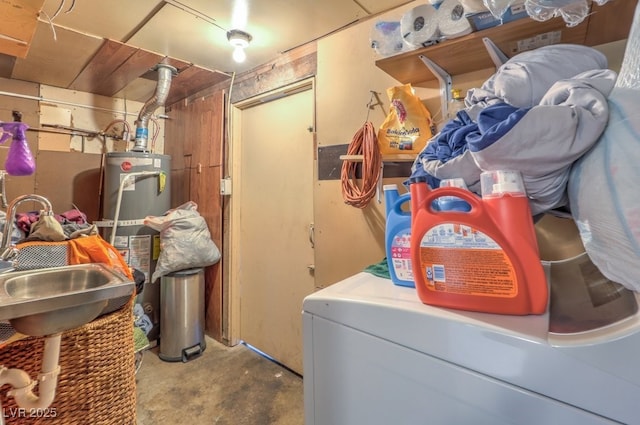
(141, 320)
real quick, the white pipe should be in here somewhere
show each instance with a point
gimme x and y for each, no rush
(124, 181)
(62, 102)
(22, 385)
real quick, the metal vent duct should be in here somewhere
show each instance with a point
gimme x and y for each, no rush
(165, 72)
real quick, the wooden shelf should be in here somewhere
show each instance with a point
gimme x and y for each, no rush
(607, 23)
(385, 158)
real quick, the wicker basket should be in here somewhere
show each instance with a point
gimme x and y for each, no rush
(96, 384)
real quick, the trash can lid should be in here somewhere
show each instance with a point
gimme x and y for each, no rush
(185, 272)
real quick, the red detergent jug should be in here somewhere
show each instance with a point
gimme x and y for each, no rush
(483, 260)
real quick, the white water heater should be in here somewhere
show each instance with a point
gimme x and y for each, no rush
(146, 191)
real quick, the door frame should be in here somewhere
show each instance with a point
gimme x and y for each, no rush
(231, 293)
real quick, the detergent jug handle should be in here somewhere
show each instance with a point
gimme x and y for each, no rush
(474, 200)
(419, 190)
(397, 206)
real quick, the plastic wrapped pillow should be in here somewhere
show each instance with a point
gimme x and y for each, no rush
(629, 76)
(603, 193)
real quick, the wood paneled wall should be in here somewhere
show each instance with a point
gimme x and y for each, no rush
(194, 138)
(67, 165)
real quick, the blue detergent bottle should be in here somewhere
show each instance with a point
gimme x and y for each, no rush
(398, 236)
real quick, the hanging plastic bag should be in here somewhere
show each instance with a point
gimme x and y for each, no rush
(408, 125)
(573, 12)
(386, 38)
(19, 161)
(185, 241)
(497, 7)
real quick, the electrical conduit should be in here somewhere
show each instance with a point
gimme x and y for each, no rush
(22, 385)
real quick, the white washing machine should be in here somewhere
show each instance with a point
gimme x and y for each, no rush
(375, 354)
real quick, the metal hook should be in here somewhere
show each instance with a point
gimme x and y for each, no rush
(371, 104)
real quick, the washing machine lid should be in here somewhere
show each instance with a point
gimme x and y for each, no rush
(363, 300)
(601, 378)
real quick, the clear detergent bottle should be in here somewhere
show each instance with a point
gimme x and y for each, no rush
(452, 203)
(398, 236)
(455, 104)
(485, 259)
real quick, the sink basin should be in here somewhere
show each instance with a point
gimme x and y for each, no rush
(51, 300)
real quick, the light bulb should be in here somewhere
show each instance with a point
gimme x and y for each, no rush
(239, 54)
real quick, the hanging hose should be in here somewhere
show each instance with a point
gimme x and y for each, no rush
(365, 143)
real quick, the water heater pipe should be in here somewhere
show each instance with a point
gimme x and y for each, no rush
(124, 182)
(165, 72)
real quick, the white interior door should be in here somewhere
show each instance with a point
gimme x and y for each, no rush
(275, 252)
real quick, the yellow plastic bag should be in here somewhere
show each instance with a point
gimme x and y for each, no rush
(408, 125)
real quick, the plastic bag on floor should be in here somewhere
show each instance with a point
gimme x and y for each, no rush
(185, 241)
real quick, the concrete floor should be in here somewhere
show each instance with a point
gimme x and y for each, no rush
(224, 386)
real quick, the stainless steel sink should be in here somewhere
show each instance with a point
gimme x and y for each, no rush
(47, 301)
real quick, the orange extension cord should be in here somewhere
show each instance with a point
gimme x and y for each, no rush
(365, 143)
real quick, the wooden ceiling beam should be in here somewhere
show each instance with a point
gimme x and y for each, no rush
(192, 80)
(114, 66)
(19, 22)
(105, 62)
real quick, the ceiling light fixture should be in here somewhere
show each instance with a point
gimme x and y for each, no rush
(239, 40)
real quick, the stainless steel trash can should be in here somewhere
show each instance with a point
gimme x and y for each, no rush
(182, 315)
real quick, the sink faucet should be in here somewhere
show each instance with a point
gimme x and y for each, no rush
(7, 249)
